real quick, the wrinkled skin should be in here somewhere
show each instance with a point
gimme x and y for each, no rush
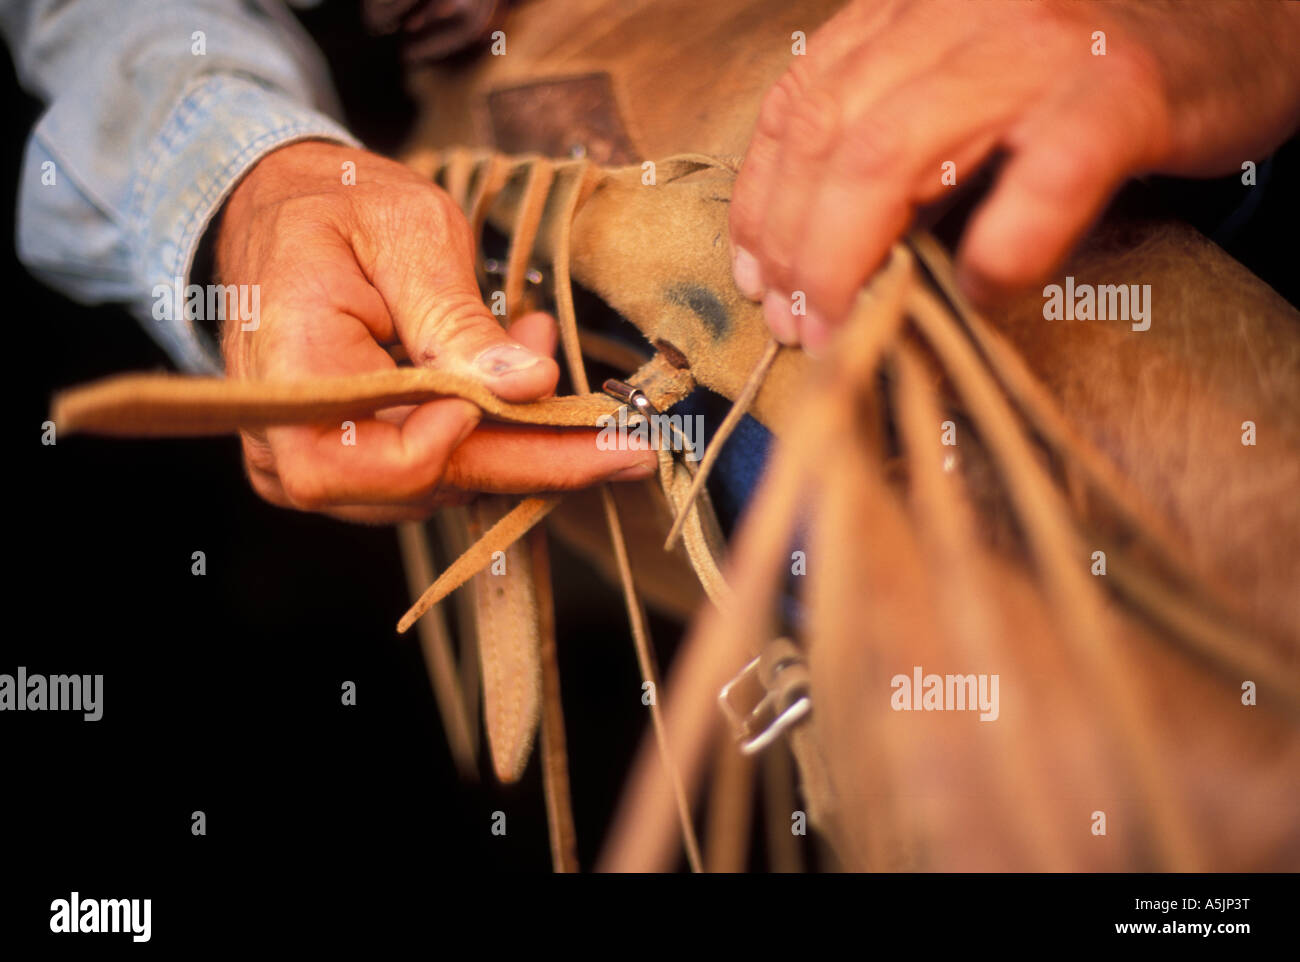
(853, 138)
(346, 271)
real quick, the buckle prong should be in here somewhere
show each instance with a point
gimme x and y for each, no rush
(762, 710)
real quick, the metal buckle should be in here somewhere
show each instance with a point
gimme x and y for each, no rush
(761, 709)
(633, 397)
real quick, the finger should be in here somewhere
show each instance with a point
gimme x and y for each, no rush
(425, 272)
(830, 116)
(315, 305)
(843, 39)
(891, 162)
(268, 487)
(814, 124)
(538, 332)
(330, 329)
(1065, 164)
(505, 459)
(348, 291)
(370, 461)
(360, 461)
(778, 313)
(840, 39)
(852, 241)
(756, 180)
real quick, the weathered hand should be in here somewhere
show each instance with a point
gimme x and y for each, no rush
(855, 136)
(345, 270)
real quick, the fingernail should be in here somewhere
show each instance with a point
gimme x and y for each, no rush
(780, 317)
(744, 268)
(636, 472)
(505, 359)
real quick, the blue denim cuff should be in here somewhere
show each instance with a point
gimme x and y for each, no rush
(220, 128)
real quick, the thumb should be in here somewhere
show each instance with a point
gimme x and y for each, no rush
(434, 300)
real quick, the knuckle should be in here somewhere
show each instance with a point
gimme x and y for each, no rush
(798, 79)
(774, 113)
(814, 124)
(455, 320)
(294, 221)
(455, 223)
(1066, 169)
(304, 489)
(868, 148)
(421, 480)
(1137, 90)
(404, 208)
(434, 211)
(1132, 68)
(257, 453)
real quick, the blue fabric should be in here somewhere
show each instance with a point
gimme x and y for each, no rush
(154, 110)
(736, 474)
(742, 458)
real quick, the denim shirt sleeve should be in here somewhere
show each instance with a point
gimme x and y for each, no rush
(154, 111)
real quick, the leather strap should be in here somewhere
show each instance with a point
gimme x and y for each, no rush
(165, 405)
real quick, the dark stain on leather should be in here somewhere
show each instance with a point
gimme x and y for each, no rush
(704, 305)
(554, 115)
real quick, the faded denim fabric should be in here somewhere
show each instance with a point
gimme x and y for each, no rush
(148, 137)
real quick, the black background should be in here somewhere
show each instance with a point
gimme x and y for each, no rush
(222, 693)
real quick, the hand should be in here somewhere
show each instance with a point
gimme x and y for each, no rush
(854, 137)
(343, 272)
